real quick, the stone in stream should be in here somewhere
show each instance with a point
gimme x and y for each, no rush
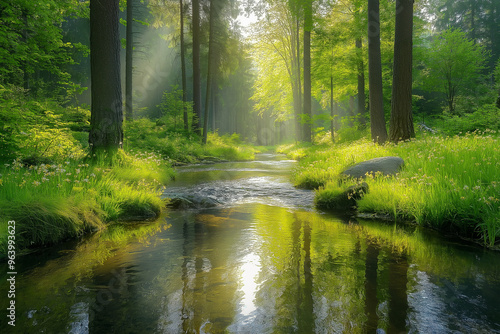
(384, 165)
(191, 202)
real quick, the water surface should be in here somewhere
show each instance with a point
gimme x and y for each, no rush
(264, 261)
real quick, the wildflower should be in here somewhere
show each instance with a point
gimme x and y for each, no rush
(68, 174)
(44, 179)
(477, 187)
(59, 185)
(77, 171)
(67, 162)
(466, 187)
(92, 175)
(76, 181)
(85, 180)
(36, 183)
(67, 180)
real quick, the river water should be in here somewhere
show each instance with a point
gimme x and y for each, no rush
(261, 261)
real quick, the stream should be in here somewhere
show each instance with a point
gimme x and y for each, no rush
(259, 259)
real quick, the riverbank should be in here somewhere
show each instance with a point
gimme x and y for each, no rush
(55, 201)
(450, 184)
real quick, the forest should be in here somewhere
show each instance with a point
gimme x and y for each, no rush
(101, 100)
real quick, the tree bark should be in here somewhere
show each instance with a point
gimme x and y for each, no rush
(106, 119)
(307, 135)
(183, 67)
(196, 68)
(377, 117)
(401, 122)
(129, 113)
(361, 85)
(211, 67)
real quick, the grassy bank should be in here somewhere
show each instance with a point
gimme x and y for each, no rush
(448, 183)
(53, 202)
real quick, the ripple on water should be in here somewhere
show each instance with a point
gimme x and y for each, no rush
(264, 189)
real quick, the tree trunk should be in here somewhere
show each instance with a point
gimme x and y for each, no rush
(361, 85)
(307, 71)
(401, 123)
(377, 117)
(106, 105)
(196, 68)
(129, 113)
(183, 67)
(211, 66)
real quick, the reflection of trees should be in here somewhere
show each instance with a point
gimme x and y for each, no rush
(371, 266)
(398, 302)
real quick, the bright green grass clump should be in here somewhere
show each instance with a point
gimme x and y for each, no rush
(52, 202)
(450, 183)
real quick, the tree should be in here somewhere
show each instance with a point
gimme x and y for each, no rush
(106, 132)
(196, 68)
(214, 12)
(183, 66)
(308, 25)
(128, 63)
(401, 122)
(377, 117)
(454, 65)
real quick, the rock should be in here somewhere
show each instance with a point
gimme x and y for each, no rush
(384, 165)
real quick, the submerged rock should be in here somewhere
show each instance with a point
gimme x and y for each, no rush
(384, 165)
(191, 202)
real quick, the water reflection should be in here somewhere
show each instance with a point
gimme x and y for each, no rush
(255, 268)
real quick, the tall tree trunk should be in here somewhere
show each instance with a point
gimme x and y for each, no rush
(361, 84)
(296, 86)
(211, 66)
(196, 68)
(307, 135)
(129, 113)
(183, 67)
(401, 123)
(377, 117)
(106, 119)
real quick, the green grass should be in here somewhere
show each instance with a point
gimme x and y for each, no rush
(54, 202)
(447, 183)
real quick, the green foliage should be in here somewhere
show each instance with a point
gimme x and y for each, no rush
(484, 118)
(36, 129)
(31, 40)
(453, 65)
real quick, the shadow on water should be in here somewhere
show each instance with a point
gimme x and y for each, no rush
(257, 267)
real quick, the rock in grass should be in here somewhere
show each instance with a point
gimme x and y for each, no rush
(384, 165)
